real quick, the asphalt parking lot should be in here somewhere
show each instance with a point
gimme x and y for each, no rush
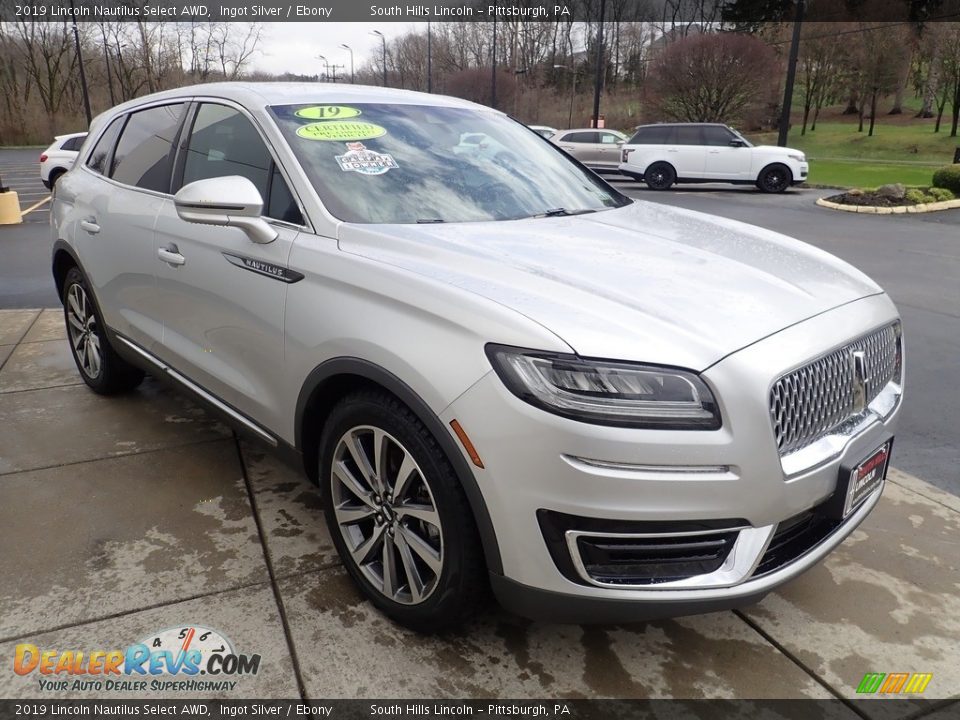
(122, 517)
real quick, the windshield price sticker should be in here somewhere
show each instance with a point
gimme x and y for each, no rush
(327, 112)
(340, 131)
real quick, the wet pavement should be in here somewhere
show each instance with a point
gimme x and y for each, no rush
(122, 517)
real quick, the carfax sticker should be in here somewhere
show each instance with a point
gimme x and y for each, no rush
(364, 161)
(327, 112)
(340, 130)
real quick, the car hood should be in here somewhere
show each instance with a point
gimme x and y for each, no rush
(645, 282)
(776, 150)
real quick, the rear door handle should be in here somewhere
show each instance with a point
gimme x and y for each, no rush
(90, 226)
(171, 255)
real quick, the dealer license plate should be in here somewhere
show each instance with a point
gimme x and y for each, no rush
(866, 477)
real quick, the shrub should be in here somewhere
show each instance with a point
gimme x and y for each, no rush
(940, 194)
(948, 177)
(918, 196)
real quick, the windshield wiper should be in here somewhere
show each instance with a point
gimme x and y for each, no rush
(562, 212)
(427, 221)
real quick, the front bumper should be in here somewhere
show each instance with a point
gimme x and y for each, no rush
(728, 478)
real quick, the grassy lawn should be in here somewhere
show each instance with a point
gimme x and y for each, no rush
(906, 151)
(862, 174)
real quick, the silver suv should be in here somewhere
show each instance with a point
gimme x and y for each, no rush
(501, 371)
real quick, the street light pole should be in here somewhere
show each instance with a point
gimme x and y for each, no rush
(573, 91)
(429, 59)
(383, 39)
(326, 68)
(349, 50)
(83, 75)
(493, 77)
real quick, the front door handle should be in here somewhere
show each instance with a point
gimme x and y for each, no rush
(171, 255)
(90, 226)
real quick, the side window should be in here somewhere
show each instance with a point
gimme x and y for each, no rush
(282, 206)
(687, 135)
(98, 158)
(73, 143)
(609, 138)
(713, 135)
(581, 137)
(143, 155)
(223, 142)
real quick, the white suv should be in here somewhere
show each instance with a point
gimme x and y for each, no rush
(501, 371)
(669, 153)
(59, 157)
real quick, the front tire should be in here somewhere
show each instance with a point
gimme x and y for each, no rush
(660, 176)
(398, 515)
(101, 368)
(774, 178)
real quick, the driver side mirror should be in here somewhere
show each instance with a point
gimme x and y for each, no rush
(736, 142)
(231, 201)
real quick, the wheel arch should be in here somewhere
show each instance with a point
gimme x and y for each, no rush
(63, 258)
(332, 380)
(773, 163)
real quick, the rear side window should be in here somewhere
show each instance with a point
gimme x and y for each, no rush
(687, 135)
(98, 158)
(144, 154)
(73, 143)
(609, 138)
(581, 137)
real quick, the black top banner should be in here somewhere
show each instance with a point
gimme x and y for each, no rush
(736, 14)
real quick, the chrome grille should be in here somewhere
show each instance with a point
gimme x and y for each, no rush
(809, 402)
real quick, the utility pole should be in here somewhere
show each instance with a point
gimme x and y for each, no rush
(106, 63)
(791, 77)
(83, 75)
(598, 83)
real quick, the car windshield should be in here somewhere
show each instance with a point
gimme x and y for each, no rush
(377, 163)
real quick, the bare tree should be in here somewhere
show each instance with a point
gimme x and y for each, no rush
(712, 77)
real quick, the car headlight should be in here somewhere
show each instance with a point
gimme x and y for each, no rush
(607, 392)
(798, 157)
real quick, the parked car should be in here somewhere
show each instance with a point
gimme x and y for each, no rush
(59, 157)
(505, 374)
(598, 149)
(669, 153)
(544, 130)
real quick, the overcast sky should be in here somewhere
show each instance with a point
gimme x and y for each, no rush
(294, 46)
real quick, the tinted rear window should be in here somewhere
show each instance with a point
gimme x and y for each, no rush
(656, 135)
(143, 156)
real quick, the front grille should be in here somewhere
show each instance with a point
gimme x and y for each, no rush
(811, 401)
(651, 560)
(795, 537)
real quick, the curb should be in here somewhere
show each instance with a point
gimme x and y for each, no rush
(899, 210)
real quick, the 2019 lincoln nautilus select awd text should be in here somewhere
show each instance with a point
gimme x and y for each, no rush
(501, 371)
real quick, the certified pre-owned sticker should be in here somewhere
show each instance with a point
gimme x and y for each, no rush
(341, 130)
(327, 112)
(367, 162)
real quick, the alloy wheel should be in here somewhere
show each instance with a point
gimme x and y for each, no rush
(82, 326)
(386, 514)
(774, 180)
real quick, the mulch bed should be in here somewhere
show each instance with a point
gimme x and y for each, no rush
(868, 198)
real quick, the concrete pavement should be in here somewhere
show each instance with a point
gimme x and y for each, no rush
(121, 517)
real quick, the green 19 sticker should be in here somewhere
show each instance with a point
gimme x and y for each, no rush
(327, 112)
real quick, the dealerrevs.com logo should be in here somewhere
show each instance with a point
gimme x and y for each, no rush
(183, 659)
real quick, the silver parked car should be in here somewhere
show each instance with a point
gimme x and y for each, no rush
(598, 149)
(500, 370)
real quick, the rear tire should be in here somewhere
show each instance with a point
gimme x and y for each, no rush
(105, 372)
(774, 178)
(660, 176)
(398, 515)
